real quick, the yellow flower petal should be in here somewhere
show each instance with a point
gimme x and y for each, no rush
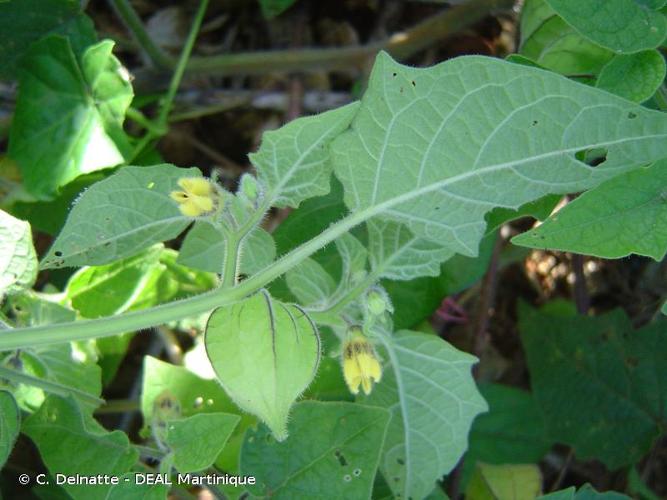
(197, 186)
(178, 196)
(360, 364)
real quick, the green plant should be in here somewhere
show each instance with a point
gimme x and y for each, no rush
(425, 168)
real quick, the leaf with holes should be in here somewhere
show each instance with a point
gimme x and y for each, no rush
(431, 393)
(120, 216)
(264, 353)
(436, 149)
(339, 442)
(626, 214)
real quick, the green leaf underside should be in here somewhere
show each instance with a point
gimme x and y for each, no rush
(624, 215)
(337, 441)
(24, 21)
(69, 115)
(293, 162)
(18, 261)
(609, 372)
(633, 76)
(437, 148)
(620, 25)
(72, 443)
(264, 353)
(205, 248)
(197, 441)
(430, 391)
(120, 216)
(9, 425)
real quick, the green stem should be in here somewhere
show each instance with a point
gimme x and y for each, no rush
(172, 311)
(328, 315)
(182, 63)
(229, 269)
(160, 127)
(50, 387)
(127, 14)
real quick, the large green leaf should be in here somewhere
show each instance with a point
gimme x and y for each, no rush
(120, 216)
(196, 441)
(633, 76)
(620, 25)
(71, 442)
(438, 148)
(9, 425)
(293, 162)
(512, 432)
(598, 382)
(24, 21)
(264, 353)
(626, 214)
(18, 261)
(332, 452)
(430, 391)
(552, 43)
(69, 114)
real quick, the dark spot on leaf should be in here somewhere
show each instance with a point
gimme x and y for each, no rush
(341, 458)
(58, 253)
(534, 122)
(413, 83)
(632, 362)
(631, 115)
(394, 75)
(401, 91)
(397, 479)
(400, 461)
(357, 472)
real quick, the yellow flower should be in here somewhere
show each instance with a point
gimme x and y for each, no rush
(197, 197)
(360, 363)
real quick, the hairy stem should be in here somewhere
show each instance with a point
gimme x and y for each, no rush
(48, 386)
(172, 311)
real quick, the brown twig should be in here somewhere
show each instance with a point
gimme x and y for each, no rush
(581, 296)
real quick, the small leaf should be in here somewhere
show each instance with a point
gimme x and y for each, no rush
(273, 8)
(633, 76)
(610, 373)
(621, 25)
(69, 115)
(71, 442)
(197, 441)
(510, 482)
(626, 214)
(311, 284)
(196, 396)
(18, 261)
(433, 399)
(205, 248)
(112, 288)
(396, 253)
(586, 492)
(121, 216)
(293, 162)
(9, 425)
(339, 442)
(265, 354)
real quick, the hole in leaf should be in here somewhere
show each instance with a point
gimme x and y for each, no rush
(341, 458)
(394, 75)
(535, 122)
(357, 472)
(592, 157)
(413, 83)
(58, 253)
(347, 478)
